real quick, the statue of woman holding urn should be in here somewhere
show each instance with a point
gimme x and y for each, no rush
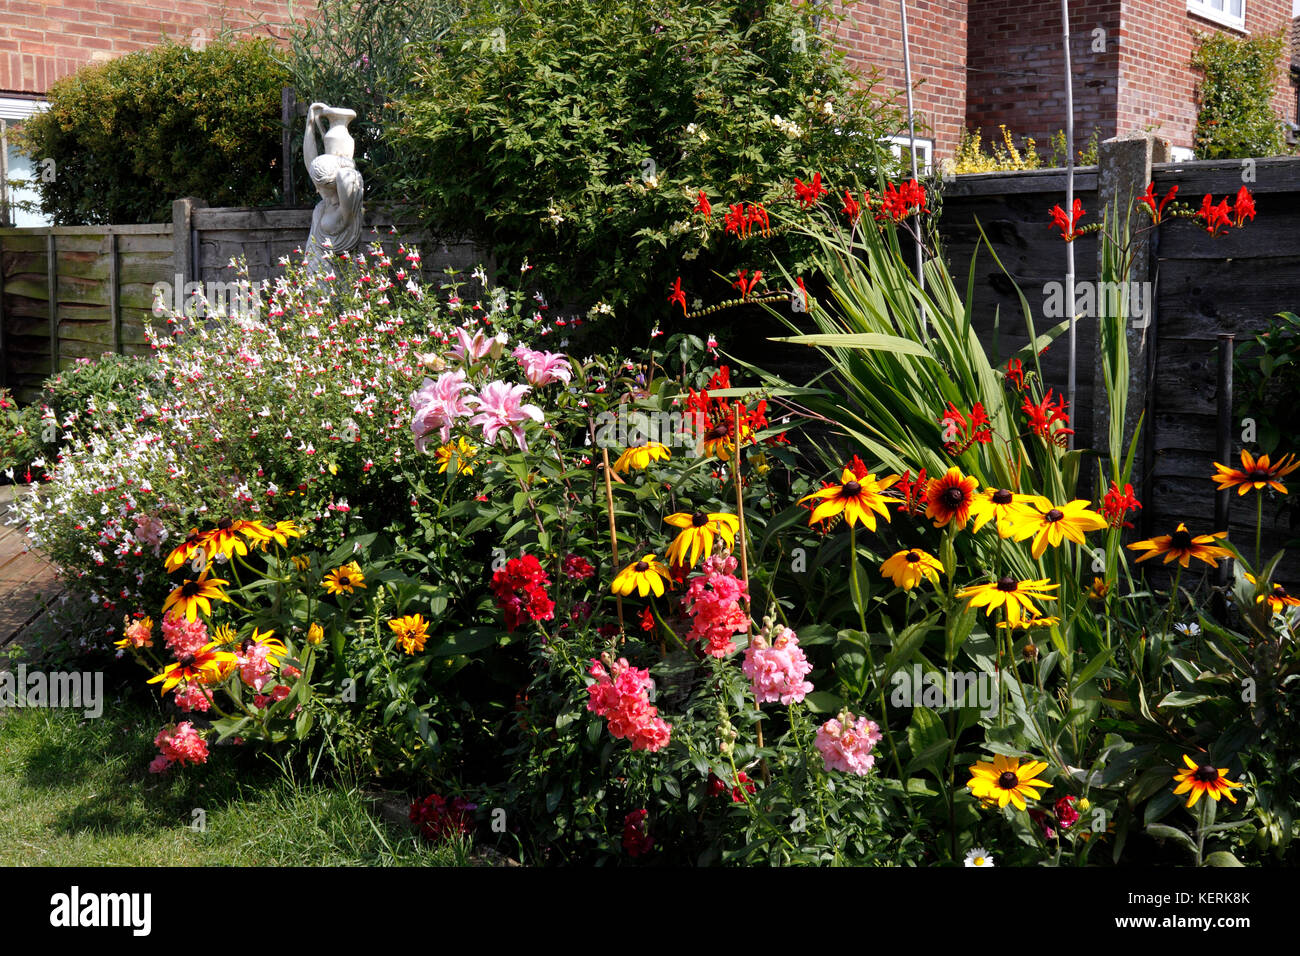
(336, 220)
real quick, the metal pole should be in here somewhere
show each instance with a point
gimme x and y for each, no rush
(1224, 397)
(911, 138)
(1069, 205)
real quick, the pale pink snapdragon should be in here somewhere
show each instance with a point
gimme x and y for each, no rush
(846, 741)
(543, 368)
(437, 405)
(184, 637)
(713, 602)
(498, 407)
(776, 664)
(624, 701)
(178, 743)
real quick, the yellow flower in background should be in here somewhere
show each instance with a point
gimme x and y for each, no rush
(1001, 506)
(645, 577)
(1016, 596)
(639, 458)
(1048, 524)
(184, 552)
(1277, 597)
(1198, 780)
(315, 634)
(910, 568)
(264, 535)
(462, 452)
(302, 562)
(1256, 473)
(194, 596)
(698, 531)
(1182, 546)
(411, 632)
(1005, 781)
(343, 580)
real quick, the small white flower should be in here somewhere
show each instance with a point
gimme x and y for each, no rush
(1188, 630)
(979, 857)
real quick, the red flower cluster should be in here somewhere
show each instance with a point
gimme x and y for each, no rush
(577, 567)
(809, 193)
(720, 414)
(1218, 219)
(635, 838)
(913, 492)
(1046, 414)
(677, 295)
(1016, 374)
(746, 285)
(959, 432)
(702, 205)
(898, 203)
(439, 818)
(624, 701)
(1116, 505)
(851, 207)
(1148, 199)
(520, 589)
(743, 785)
(1068, 224)
(1064, 815)
(741, 219)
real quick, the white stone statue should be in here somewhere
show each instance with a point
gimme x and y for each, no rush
(336, 220)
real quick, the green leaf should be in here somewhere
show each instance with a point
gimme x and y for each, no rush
(861, 340)
(1171, 833)
(1183, 698)
(1222, 858)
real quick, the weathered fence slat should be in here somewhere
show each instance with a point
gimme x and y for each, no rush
(52, 283)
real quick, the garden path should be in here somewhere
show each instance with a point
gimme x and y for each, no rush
(25, 576)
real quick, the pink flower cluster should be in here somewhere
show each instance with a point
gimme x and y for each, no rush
(190, 696)
(624, 701)
(845, 743)
(777, 667)
(254, 668)
(437, 405)
(543, 368)
(499, 407)
(184, 638)
(439, 818)
(178, 743)
(713, 602)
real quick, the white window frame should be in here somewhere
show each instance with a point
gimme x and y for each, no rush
(924, 148)
(14, 110)
(1206, 9)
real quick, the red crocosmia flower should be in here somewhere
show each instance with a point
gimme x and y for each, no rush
(851, 207)
(913, 194)
(702, 205)
(1068, 224)
(1046, 414)
(913, 492)
(736, 221)
(1244, 208)
(1214, 218)
(960, 432)
(1066, 815)
(678, 295)
(746, 286)
(1016, 374)
(893, 204)
(757, 215)
(1148, 199)
(1116, 505)
(647, 619)
(809, 193)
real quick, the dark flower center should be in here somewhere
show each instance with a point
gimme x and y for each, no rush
(1056, 514)
(953, 498)
(186, 661)
(699, 519)
(1008, 780)
(1002, 497)
(718, 431)
(1258, 475)
(1180, 539)
(851, 489)
(913, 557)
(190, 588)
(1007, 584)
(345, 581)
(1279, 591)
(1206, 774)
(641, 567)
(225, 524)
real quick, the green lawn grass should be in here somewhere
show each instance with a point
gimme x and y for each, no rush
(77, 792)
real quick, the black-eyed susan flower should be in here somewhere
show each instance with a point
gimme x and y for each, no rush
(1198, 780)
(1050, 524)
(1099, 589)
(224, 539)
(639, 457)
(264, 535)
(646, 576)
(461, 453)
(696, 537)
(1000, 506)
(910, 568)
(411, 632)
(184, 552)
(948, 499)
(1005, 780)
(206, 666)
(856, 497)
(302, 562)
(1276, 595)
(1182, 546)
(1257, 473)
(344, 579)
(194, 596)
(1016, 596)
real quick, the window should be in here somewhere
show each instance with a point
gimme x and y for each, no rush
(900, 147)
(17, 166)
(1231, 13)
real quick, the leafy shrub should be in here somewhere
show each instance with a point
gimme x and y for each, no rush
(1236, 118)
(129, 136)
(578, 136)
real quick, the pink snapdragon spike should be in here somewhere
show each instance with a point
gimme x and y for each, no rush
(845, 743)
(178, 743)
(437, 405)
(543, 368)
(776, 664)
(713, 602)
(624, 701)
(183, 636)
(500, 407)
(472, 349)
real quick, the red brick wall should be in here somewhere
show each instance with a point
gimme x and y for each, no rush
(1158, 87)
(41, 42)
(872, 34)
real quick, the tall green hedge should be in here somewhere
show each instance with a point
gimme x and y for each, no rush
(1236, 117)
(129, 136)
